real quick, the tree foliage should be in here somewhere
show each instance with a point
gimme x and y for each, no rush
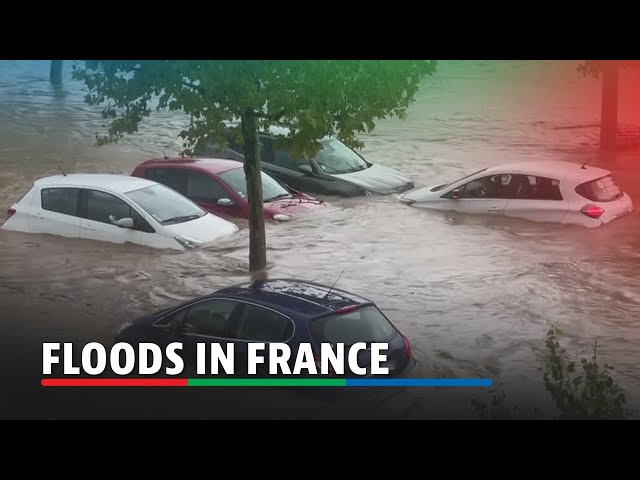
(313, 98)
(587, 391)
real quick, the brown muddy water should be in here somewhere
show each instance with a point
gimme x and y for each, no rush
(475, 295)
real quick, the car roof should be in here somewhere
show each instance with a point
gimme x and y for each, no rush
(549, 168)
(112, 182)
(213, 165)
(295, 298)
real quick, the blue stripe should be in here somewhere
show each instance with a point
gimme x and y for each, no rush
(419, 382)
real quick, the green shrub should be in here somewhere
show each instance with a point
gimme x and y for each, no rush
(585, 392)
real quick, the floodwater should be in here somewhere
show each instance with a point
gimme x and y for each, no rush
(475, 295)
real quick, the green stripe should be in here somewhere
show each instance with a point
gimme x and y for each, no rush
(266, 382)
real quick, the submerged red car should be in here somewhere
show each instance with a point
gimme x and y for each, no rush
(219, 186)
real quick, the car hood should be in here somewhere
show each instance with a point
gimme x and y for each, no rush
(379, 179)
(422, 194)
(206, 228)
(295, 206)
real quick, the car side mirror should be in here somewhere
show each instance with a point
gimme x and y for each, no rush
(305, 169)
(225, 202)
(455, 194)
(124, 222)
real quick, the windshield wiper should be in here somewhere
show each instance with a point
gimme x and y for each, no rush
(184, 218)
(282, 195)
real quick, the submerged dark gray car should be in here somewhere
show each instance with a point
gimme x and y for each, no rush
(335, 170)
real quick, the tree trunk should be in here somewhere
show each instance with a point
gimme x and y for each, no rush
(609, 112)
(252, 172)
(55, 74)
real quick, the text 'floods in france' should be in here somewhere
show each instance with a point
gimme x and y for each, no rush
(215, 358)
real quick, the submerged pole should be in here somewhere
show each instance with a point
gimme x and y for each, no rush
(55, 74)
(609, 112)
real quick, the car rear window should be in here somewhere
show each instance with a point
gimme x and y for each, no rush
(365, 324)
(600, 190)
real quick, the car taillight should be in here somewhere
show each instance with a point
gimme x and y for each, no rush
(319, 367)
(348, 308)
(407, 347)
(592, 211)
(10, 212)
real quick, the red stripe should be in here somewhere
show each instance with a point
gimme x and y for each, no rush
(114, 382)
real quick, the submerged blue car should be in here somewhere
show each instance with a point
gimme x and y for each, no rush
(280, 311)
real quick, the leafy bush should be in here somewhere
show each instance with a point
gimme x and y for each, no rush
(586, 392)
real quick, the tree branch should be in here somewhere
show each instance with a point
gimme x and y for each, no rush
(275, 117)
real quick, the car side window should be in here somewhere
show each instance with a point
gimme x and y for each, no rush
(174, 178)
(279, 156)
(201, 187)
(262, 325)
(501, 186)
(547, 189)
(210, 318)
(60, 200)
(106, 208)
(531, 187)
(284, 159)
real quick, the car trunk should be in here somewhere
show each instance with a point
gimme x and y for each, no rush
(604, 200)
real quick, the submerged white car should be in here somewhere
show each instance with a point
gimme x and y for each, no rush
(544, 191)
(117, 209)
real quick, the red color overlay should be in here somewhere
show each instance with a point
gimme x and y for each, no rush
(114, 382)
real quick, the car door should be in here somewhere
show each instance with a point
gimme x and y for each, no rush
(206, 322)
(538, 199)
(484, 195)
(207, 192)
(57, 212)
(100, 210)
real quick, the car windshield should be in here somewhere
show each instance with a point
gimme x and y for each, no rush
(165, 205)
(365, 324)
(271, 189)
(442, 187)
(600, 190)
(334, 157)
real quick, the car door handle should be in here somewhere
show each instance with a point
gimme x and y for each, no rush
(39, 215)
(88, 228)
(495, 209)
